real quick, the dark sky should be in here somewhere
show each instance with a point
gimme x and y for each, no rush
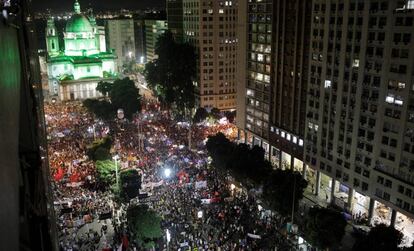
(62, 5)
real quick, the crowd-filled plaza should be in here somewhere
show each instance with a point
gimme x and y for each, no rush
(199, 208)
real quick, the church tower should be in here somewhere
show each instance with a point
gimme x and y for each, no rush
(52, 40)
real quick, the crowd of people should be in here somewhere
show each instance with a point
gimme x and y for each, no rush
(201, 208)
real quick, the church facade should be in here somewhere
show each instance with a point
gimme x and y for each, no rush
(75, 68)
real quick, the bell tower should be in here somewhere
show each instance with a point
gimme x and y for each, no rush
(52, 40)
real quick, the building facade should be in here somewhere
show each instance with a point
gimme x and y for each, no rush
(210, 26)
(175, 18)
(140, 51)
(275, 78)
(360, 115)
(84, 56)
(153, 29)
(121, 39)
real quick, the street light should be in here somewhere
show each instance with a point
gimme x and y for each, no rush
(116, 158)
(167, 172)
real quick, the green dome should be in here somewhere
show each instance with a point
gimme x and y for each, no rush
(78, 23)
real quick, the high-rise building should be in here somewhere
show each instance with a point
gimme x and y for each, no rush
(139, 29)
(27, 217)
(210, 26)
(121, 39)
(273, 78)
(153, 29)
(360, 116)
(175, 18)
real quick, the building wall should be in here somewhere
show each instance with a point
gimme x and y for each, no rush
(211, 28)
(359, 125)
(121, 38)
(175, 18)
(242, 26)
(140, 52)
(153, 29)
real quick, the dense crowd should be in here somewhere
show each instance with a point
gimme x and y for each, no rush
(201, 209)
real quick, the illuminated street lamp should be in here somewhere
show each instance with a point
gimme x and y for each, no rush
(200, 214)
(167, 172)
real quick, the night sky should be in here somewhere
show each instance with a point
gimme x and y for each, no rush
(63, 5)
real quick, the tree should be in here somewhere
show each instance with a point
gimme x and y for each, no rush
(106, 170)
(125, 95)
(171, 75)
(130, 181)
(215, 113)
(200, 115)
(220, 149)
(145, 225)
(230, 116)
(100, 108)
(380, 238)
(104, 87)
(100, 149)
(324, 227)
(279, 188)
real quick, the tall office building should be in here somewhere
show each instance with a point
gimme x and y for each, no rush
(211, 27)
(121, 38)
(273, 78)
(139, 29)
(360, 113)
(175, 18)
(153, 29)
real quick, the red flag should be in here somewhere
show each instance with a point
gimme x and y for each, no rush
(59, 174)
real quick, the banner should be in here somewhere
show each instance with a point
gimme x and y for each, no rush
(254, 236)
(201, 184)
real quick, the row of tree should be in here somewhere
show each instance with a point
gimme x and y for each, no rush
(249, 167)
(282, 189)
(121, 94)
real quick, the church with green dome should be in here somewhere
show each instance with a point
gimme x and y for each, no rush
(75, 68)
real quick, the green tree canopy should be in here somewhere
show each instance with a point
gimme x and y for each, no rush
(324, 227)
(144, 224)
(101, 108)
(105, 170)
(200, 115)
(380, 238)
(171, 75)
(104, 87)
(100, 149)
(130, 181)
(125, 95)
(278, 189)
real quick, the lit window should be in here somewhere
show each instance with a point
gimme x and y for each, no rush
(389, 99)
(210, 11)
(221, 11)
(277, 131)
(316, 127)
(250, 92)
(327, 83)
(301, 142)
(260, 57)
(272, 129)
(282, 134)
(288, 136)
(398, 101)
(310, 125)
(355, 63)
(295, 139)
